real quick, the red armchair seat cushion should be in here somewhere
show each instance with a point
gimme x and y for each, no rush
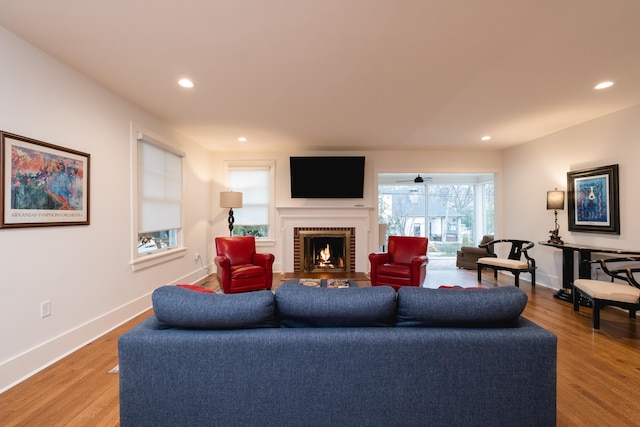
(396, 270)
(245, 271)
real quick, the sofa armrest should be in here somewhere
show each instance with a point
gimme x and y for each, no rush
(379, 258)
(474, 250)
(223, 271)
(265, 261)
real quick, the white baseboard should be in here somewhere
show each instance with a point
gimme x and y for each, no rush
(29, 363)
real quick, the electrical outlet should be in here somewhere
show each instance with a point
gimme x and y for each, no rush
(45, 309)
(196, 256)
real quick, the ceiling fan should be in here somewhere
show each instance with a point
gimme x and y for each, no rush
(418, 180)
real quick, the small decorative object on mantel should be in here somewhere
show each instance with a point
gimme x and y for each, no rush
(42, 184)
(555, 201)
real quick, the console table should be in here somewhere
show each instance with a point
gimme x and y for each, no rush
(584, 263)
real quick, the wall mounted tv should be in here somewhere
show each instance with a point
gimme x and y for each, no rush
(330, 177)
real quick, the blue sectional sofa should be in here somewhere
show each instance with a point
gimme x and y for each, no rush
(338, 357)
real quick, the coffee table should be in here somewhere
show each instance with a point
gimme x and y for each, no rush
(322, 283)
(328, 275)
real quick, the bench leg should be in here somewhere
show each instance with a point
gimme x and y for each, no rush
(596, 314)
(533, 278)
(632, 314)
(517, 279)
(576, 300)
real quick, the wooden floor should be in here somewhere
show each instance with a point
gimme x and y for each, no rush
(598, 372)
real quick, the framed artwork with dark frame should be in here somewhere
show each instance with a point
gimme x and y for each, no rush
(593, 205)
(42, 184)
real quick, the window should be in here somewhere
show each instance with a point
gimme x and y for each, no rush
(255, 181)
(450, 209)
(158, 201)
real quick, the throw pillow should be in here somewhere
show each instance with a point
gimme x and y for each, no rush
(196, 288)
(183, 308)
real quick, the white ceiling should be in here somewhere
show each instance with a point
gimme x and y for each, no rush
(298, 75)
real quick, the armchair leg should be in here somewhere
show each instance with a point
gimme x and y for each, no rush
(517, 279)
(479, 274)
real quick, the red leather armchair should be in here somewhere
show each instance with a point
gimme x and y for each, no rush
(404, 263)
(239, 267)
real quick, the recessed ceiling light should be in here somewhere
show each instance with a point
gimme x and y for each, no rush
(603, 85)
(242, 139)
(185, 83)
(485, 138)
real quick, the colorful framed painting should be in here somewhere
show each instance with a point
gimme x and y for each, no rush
(593, 200)
(42, 184)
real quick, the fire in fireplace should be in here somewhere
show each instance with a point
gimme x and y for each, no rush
(325, 251)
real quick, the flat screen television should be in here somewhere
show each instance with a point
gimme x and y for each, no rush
(329, 177)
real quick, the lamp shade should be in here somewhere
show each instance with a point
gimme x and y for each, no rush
(230, 199)
(555, 200)
(382, 233)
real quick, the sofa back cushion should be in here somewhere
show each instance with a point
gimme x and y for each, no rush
(184, 308)
(302, 306)
(460, 307)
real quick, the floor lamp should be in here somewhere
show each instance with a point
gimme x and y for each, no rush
(230, 199)
(382, 235)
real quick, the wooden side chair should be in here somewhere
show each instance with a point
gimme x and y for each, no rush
(514, 263)
(603, 293)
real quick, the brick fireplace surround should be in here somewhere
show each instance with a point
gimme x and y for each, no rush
(356, 218)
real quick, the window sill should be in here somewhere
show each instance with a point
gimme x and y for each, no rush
(150, 260)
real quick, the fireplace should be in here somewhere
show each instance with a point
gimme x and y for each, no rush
(324, 249)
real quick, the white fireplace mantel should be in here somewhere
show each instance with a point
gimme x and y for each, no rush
(358, 217)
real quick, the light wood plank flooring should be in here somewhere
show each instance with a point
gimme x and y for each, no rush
(598, 372)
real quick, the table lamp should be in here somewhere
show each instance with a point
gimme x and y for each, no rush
(555, 201)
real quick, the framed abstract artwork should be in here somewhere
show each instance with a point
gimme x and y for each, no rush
(593, 205)
(42, 184)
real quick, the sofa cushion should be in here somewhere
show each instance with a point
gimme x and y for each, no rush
(302, 306)
(453, 307)
(183, 308)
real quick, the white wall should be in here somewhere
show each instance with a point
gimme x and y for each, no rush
(532, 169)
(84, 270)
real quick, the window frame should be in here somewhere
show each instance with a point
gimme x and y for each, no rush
(141, 261)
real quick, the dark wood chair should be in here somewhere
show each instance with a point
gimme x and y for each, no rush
(514, 263)
(603, 293)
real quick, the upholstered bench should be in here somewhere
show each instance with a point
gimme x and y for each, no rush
(602, 293)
